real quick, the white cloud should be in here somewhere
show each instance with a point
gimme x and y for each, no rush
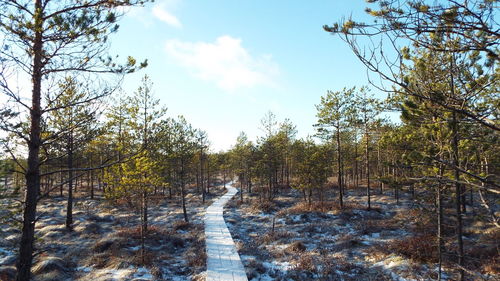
(160, 12)
(225, 62)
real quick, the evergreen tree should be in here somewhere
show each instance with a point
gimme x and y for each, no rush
(73, 122)
(59, 37)
(334, 112)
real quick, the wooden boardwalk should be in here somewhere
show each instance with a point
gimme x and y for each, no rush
(223, 261)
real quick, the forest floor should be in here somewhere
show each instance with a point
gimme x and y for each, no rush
(320, 242)
(105, 243)
(309, 242)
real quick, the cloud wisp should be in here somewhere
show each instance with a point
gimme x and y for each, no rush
(161, 13)
(224, 62)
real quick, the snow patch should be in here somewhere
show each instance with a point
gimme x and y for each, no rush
(143, 273)
(278, 266)
(5, 255)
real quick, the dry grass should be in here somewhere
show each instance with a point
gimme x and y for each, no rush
(270, 236)
(304, 207)
(253, 268)
(346, 241)
(485, 255)
(378, 225)
(306, 262)
(196, 255)
(197, 258)
(376, 253)
(319, 207)
(418, 221)
(7, 272)
(134, 232)
(420, 248)
(262, 206)
(296, 247)
(181, 225)
(148, 260)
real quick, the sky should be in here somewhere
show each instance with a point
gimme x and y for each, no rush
(223, 64)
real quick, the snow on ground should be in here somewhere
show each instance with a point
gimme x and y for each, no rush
(304, 244)
(105, 241)
(328, 244)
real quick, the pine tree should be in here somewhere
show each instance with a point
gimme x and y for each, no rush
(334, 112)
(73, 122)
(60, 37)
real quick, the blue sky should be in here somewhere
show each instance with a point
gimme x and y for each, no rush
(223, 63)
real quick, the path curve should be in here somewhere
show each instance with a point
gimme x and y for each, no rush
(223, 261)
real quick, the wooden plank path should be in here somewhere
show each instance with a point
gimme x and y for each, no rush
(223, 261)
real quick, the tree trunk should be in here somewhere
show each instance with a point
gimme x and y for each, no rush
(368, 195)
(440, 230)
(101, 161)
(456, 174)
(62, 185)
(91, 178)
(208, 176)
(183, 195)
(458, 191)
(203, 191)
(282, 174)
(379, 170)
(288, 164)
(395, 181)
(270, 183)
(145, 210)
(144, 223)
(91, 182)
(33, 170)
(339, 168)
(241, 189)
(356, 169)
(439, 201)
(69, 206)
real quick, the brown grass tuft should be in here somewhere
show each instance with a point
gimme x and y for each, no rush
(196, 258)
(306, 263)
(263, 206)
(149, 258)
(133, 232)
(319, 207)
(485, 255)
(270, 236)
(297, 246)
(181, 225)
(420, 248)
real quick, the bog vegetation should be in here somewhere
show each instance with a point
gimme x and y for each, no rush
(80, 137)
